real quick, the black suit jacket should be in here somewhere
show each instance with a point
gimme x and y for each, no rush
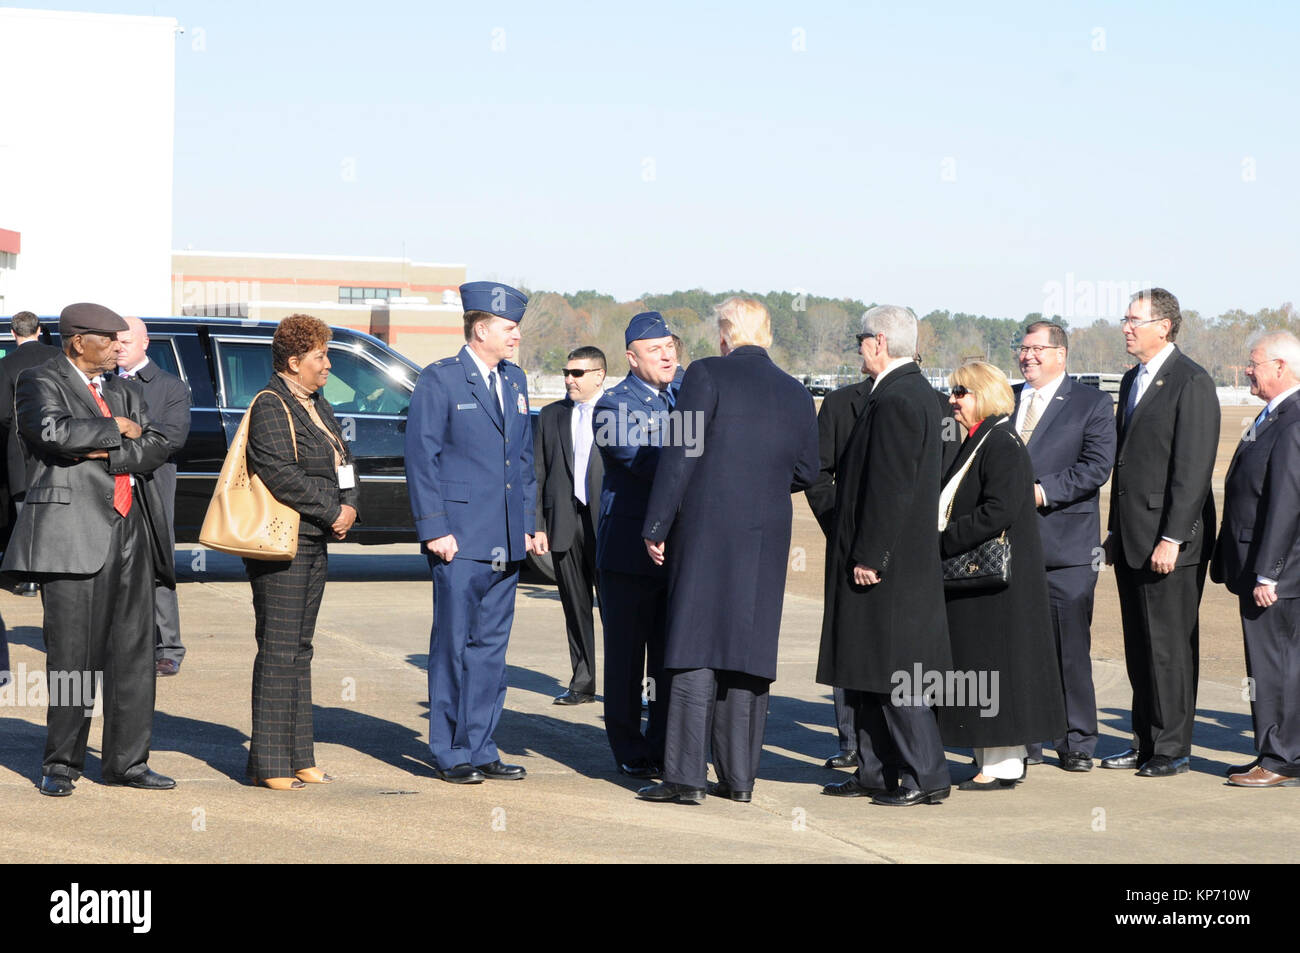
(553, 458)
(67, 524)
(840, 410)
(306, 479)
(167, 401)
(1072, 449)
(1163, 464)
(31, 354)
(1261, 508)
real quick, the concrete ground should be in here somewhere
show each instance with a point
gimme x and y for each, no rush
(371, 731)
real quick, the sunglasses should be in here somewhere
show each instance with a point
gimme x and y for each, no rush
(577, 372)
(863, 336)
(959, 391)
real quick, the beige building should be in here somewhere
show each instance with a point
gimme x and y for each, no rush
(412, 306)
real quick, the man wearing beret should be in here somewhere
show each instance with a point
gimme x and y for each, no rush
(629, 423)
(92, 533)
(469, 470)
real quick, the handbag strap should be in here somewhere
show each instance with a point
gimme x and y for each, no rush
(949, 493)
(293, 434)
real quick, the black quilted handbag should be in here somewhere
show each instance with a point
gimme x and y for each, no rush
(987, 567)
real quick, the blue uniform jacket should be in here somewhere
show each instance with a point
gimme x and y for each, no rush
(629, 422)
(465, 475)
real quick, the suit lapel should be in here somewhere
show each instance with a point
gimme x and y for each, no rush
(862, 393)
(79, 387)
(1053, 408)
(1251, 437)
(1155, 390)
(564, 422)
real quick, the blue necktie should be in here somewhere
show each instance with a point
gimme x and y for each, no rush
(1263, 416)
(496, 401)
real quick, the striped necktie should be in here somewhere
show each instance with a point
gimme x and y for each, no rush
(121, 481)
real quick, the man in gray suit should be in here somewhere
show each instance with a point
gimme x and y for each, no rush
(1258, 558)
(167, 401)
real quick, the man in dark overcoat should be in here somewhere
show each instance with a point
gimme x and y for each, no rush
(1258, 558)
(744, 437)
(167, 400)
(884, 615)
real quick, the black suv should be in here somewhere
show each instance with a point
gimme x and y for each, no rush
(225, 361)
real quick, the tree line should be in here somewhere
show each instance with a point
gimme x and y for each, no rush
(814, 335)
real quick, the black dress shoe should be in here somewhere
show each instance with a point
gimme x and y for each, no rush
(906, 797)
(850, 787)
(992, 784)
(845, 759)
(723, 789)
(28, 589)
(667, 791)
(641, 768)
(1124, 761)
(56, 785)
(1244, 769)
(503, 772)
(1033, 760)
(1076, 761)
(150, 780)
(1163, 766)
(571, 697)
(461, 774)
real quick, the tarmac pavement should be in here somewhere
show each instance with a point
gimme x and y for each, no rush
(371, 719)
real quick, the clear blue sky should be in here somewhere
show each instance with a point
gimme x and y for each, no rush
(390, 128)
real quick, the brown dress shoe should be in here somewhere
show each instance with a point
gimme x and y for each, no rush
(1261, 777)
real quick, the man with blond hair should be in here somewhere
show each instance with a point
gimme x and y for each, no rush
(744, 436)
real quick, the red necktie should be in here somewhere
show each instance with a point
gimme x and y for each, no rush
(121, 482)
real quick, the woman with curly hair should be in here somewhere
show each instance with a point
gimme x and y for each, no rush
(296, 447)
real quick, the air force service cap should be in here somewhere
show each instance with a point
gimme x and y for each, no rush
(647, 324)
(492, 297)
(87, 318)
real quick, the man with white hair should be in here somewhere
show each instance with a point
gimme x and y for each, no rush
(1258, 559)
(884, 613)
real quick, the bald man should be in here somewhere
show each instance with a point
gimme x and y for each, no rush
(167, 401)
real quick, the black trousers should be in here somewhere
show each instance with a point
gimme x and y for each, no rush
(634, 616)
(575, 576)
(1273, 664)
(102, 626)
(898, 745)
(1162, 653)
(844, 728)
(721, 709)
(286, 600)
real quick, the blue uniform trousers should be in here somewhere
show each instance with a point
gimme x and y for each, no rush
(473, 608)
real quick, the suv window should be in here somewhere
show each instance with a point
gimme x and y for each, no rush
(162, 353)
(356, 386)
(245, 369)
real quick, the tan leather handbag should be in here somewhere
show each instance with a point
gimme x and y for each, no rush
(244, 519)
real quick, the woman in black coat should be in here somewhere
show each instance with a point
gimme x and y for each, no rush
(1006, 690)
(296, 447)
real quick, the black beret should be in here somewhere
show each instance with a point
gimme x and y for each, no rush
(87, 318)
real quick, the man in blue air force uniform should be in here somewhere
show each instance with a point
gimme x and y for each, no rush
(629, 422)
(469, 466)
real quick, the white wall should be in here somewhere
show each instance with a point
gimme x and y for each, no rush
(87, 107)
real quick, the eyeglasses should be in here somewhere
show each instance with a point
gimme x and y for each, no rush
(863, 336)
(576, 372)
(959, 391)
(1254, 364)
(1035, 349)
(1136, 323)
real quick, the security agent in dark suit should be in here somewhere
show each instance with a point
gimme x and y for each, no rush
(1161, 531)
(1069, 431)
(92, 532)
(1258, 558)
(167, 401)
(839, 412)
(630, 420)
(469, 466)
(569, 474)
